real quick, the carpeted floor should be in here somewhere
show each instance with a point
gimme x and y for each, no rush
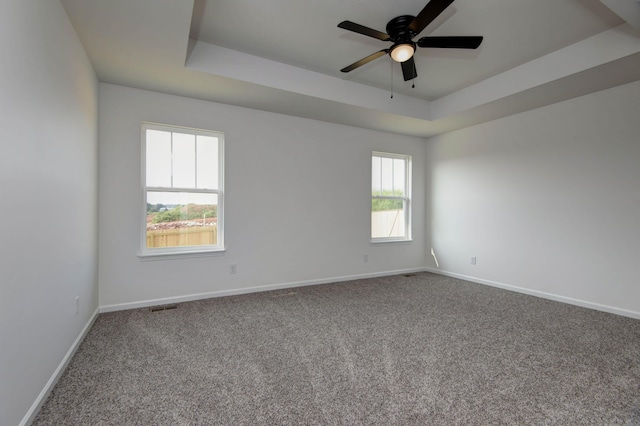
(421, 350)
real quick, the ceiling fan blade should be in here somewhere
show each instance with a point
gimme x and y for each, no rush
(361, 29)
(364, 61)
(455, 42)
(428, 14)
(409, 71)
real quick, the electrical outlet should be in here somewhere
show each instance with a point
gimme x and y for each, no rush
(77, 305)
(473, 260)
(232, 269)
(365, 257)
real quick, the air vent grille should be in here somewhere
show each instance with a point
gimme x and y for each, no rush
(163, 308)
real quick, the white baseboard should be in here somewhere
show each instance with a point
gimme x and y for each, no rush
(542, 294)
(44, 394)
(245, 290)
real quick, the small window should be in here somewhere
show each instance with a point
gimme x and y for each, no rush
(182, 180)
(390, 197)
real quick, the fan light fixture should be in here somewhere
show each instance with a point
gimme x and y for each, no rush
(402, 52)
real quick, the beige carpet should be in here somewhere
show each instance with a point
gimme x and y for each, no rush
(422, 350)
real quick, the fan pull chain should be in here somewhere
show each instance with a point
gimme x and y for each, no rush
(391, 62)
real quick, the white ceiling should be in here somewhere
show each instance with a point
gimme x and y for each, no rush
(285, 56)
(305, 34)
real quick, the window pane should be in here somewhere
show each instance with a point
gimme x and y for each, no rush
(387, 218)
(387, 176)
(177, 219)
(184, 160)
(398, 177)
(207, 162)
(158, 161)
(390, 196)
(375, 176)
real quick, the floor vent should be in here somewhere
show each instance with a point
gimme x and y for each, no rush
(163, 308)
(409, 275)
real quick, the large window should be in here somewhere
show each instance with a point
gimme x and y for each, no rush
(390, 197)
(183, 189)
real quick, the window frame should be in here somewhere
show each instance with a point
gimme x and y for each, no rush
(181, 250)
(406, 199)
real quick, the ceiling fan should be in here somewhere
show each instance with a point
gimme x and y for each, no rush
(401, 31)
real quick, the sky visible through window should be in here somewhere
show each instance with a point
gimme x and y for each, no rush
(388, 176)
(184, 161)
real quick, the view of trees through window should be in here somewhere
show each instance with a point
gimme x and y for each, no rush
(385, 204)
(159, 213)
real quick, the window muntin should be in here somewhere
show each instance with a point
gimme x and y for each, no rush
(390, 197)
(183, 192)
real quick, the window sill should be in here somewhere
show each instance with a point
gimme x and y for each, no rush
(391, 241)
(170, 255)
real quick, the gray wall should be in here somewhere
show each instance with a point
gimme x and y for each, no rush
(297, 206)
(548, 201)
(48, 191)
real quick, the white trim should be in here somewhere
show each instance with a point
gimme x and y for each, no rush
(168, 255)
(390, 155)
(246, 290)
(542, 294)
(44, 394)
(377, 241)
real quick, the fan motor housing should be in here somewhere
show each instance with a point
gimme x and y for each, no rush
(398, 28)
